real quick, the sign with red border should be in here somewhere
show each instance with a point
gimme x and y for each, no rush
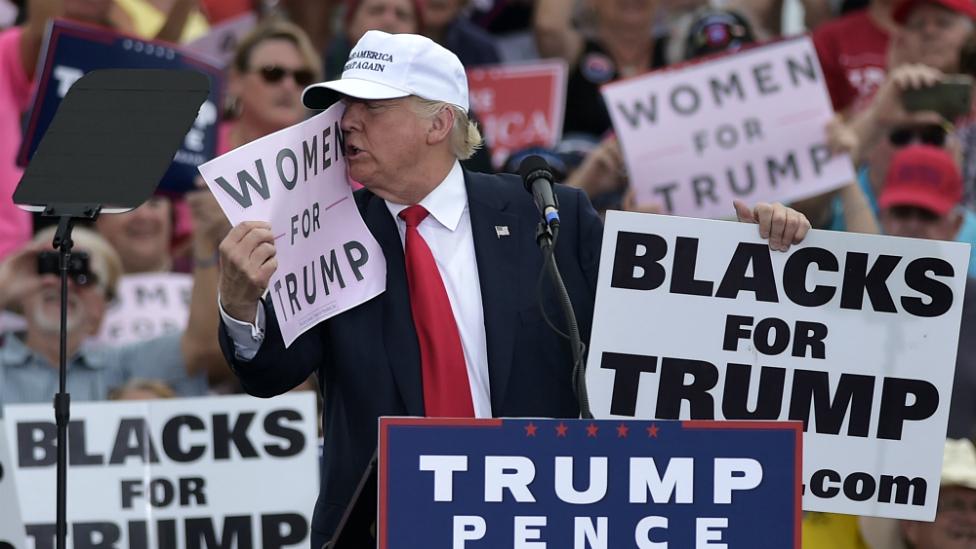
(538, 483)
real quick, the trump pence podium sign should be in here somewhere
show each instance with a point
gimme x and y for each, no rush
(533, 484)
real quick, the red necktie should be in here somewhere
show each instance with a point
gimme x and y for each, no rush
(447, 392)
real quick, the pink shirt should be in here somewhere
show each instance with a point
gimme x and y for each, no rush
(15, 95)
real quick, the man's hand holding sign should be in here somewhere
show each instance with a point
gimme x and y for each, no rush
(780, 225)
(248, 259)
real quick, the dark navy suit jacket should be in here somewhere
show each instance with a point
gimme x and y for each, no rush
(368, 359)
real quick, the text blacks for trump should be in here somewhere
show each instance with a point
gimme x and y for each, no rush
(855, 335)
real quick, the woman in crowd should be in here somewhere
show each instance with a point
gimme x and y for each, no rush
(445, 24)
(617, 44)
(392, 16)
(142, 237)
(271, 67)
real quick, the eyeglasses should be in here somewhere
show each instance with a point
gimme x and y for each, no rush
(933, 135)
(904, 213)
(273, 75)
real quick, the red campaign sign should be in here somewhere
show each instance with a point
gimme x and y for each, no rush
(519, 105)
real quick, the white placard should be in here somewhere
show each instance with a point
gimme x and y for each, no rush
(221, 42)
(698, 319)
(295, 179)
(147, 306)
(8, 14)
(11, 526)
(748, 126)
(231, 471)
(11, 322)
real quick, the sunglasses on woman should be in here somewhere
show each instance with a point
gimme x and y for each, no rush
(933, 135)
(273, 75)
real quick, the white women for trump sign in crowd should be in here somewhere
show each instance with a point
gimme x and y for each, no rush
(748, 126)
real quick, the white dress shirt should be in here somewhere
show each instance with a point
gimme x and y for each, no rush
(447, 231)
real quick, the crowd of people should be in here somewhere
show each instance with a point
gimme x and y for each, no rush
(916, 169)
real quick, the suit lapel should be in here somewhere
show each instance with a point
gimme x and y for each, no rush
(496, 243)
(399, 335)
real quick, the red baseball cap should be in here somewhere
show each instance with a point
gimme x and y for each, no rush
(906, 7)
(922, 176)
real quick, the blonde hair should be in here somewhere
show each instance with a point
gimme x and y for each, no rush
(465, 137)
(103, 260)
(277, 29)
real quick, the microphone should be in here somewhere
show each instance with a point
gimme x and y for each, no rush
(537, 178)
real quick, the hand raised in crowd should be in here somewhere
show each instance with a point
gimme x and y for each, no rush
(18, 274)
(209, 221)
(247, 261)
(841, 138)
(602, 170)
(887, 109)
(781, 225)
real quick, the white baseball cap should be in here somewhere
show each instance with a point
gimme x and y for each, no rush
(388, 66)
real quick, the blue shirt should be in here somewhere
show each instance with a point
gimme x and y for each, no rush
(27, 377)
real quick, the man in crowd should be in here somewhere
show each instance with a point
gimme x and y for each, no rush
(954, 526)
(458, 331)
(921, 199)
(29, 360)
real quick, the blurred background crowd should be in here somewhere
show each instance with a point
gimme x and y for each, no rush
(916, 167)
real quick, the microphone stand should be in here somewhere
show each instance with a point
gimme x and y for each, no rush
(546, 239)
(62, 400)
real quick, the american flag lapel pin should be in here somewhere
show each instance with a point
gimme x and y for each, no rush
(501, 230)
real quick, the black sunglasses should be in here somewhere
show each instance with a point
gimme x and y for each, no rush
(272, 75)
(928, 135)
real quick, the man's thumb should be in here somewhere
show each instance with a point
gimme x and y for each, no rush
(743, 212)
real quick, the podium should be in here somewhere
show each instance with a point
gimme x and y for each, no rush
(477, 483)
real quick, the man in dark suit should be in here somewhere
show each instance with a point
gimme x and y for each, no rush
(459, 331)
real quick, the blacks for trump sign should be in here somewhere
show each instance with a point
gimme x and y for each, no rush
(11, 527)
(533, 484)
(197, 473)
(854, 335)
(748, 126)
